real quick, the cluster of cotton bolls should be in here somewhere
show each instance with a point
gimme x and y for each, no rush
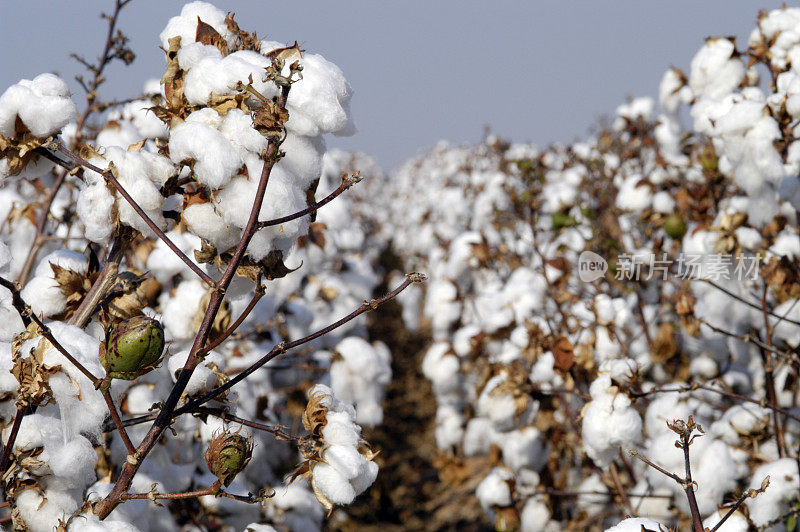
(325, 266)
(532, 359)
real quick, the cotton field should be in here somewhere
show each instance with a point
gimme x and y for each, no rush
(212, 322)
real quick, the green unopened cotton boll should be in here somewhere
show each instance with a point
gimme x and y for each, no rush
(132, 348)
(674, 226)
(227, 455)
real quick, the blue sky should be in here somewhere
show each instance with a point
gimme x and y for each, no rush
(539, 71)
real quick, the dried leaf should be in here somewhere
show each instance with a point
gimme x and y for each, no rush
(563, 353)
(206, 34)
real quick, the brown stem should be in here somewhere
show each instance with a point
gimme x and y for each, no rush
(346, 183)
(730, 512)
(109, 176)
(211, 490)
(766, 359)
(225, 416)
(11, 438)
(118, 421)
(688, 484)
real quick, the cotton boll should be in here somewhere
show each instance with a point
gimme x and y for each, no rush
(185, 24)
(258, 527)
(360, 377)
(43, 105)
(672, 91)
(777, 498)
(637, 524)
(42, 512)
(333, 484)
(42, 292)
(449, 426)
(72, 463)
(478, 436)
(237, 127)
(341, 430)
(535, 516)
(215, 158)
(634, 195)
(494, 490)
(523, 448)
(320, 102)
(208, 73)
(204, 221)
(442, 368)
(96, 209)
(117, 135)
(609, 422)
(714, 73)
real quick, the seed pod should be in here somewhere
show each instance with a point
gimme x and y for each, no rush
(674, 226)
(132, 348)
(227, 455)
(507, 520)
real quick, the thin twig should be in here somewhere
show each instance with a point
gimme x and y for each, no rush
(118, 421)
(346, 183)
(12, 438)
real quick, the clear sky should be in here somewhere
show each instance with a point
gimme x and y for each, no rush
(422, 71)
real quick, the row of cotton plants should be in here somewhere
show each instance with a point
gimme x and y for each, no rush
(567, 369)
(138, 290)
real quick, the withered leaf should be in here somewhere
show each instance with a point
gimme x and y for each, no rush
(563, 353)
(206, 34)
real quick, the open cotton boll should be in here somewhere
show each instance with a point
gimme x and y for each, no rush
(42, 512)
(42, 104)
(523, 448)
(672, 91)
(780, 494)
(141, 174)
(42, 292)
(634, 195)
(714, 72)
(209, 74)
(609, 422)
(449, 425)
(360, 376)
(215, 158)
(203, 220)
(320, 102)
(72, 463)
(258, 527)
(637, 524)
(96, 208)
(637, 108)
(237, 127)
(185, 24)
(500, 407)
(535, 516)
(494, 490)
(118, 134)
(442, 368)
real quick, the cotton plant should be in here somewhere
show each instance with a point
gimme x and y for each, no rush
(178, 254)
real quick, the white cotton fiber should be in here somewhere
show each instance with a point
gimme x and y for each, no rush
(43, 105)
(185, 24)
(215, 158)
